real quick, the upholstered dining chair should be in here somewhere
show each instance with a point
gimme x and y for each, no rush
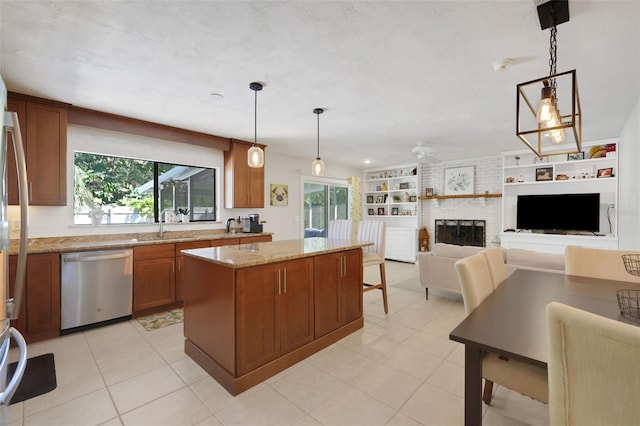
(341, 229)
(476, 284)
(495, 261)
(597, 263)
(374, 231)
(593, 362)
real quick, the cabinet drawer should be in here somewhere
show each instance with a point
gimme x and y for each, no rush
(256, 239)
(224, 242)
(190, 245)
(156, 251)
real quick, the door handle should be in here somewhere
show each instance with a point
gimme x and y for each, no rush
(285, 280)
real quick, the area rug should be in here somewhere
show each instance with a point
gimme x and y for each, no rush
(161, 319)
(39, 378)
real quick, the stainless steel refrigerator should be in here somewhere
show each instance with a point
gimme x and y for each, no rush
(9, 307)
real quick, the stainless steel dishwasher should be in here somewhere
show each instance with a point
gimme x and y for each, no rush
(97, 286)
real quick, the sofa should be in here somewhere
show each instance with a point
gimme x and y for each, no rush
(437, 266)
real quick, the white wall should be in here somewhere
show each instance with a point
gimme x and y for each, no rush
(488, 177)
(47, 221)
(629, 183)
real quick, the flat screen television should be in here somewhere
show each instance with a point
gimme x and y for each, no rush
(559, 212)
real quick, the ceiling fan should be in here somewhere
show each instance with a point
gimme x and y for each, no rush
(424, 153)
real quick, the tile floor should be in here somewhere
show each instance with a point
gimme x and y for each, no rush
(400, 369)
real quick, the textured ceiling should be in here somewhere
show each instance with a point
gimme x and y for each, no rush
(389, 73)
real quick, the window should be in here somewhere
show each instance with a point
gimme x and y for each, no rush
(324, 202)
(126, 190)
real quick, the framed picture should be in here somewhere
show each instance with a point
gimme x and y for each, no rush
(369, 199)
(279, 194)
(575, 156)
(539, 160)
(394, 211)
(378, 187)
(428, 192)
(458, 180)
(379, 199)
(608, 172)
(404, 185)
(381, 211)
(412, 198)
(544, 173)
(372, 212)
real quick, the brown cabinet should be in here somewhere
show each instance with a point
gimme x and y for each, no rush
(337, 289)
(19, 106)
(256, 239)
(154, 276)
(180, 264)
(243, 185)
(44, 133)
(274, 308)
(39, 316)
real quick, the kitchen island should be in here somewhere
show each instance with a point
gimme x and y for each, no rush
(253, 310)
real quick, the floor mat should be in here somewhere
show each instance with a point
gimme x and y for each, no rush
(39, 378)
(162, 319)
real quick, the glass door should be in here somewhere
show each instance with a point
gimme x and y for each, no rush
(323, 202)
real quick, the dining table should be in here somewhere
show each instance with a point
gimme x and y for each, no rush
(511, 322)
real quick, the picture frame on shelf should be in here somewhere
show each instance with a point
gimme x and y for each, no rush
(378, 187)
(394, 211)
(380, 211)
(379, 199)
(604, 173)
(428, 192)
(404, 185)
(575, 156)
(372, 212)
(459, 180)
(369, 199)
(412, 198)
(544, 174)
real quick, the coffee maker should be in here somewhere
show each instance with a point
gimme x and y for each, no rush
(252, 223)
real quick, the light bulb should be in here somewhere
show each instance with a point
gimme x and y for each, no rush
(317, 167)
(545, 109)
(557, 135)
(255, 157)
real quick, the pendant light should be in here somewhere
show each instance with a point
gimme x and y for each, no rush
(545, 121)
(255, 155)
(317, 167)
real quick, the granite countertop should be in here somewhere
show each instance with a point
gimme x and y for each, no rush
(243, 255)
(113, 241)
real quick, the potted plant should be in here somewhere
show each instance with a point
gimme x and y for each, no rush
(185, 214)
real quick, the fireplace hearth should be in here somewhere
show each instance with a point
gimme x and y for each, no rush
(461, 232)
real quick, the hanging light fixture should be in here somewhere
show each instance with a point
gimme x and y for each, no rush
(544, 122)
(255, 155)
(317, 167)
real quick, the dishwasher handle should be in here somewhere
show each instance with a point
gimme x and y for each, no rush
(96, 258)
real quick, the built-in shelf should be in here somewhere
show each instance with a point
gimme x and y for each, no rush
(442, 197)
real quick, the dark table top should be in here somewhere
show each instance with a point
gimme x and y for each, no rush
(512, 322)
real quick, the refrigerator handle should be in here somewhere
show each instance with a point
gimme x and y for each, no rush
(13, 306)
(5, 396)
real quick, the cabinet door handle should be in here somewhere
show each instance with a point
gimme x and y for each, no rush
(279, 288)
(285, 280)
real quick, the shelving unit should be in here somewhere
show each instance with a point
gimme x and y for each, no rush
(391, 192)
(391, 195)
(443, 197)
(557, 174)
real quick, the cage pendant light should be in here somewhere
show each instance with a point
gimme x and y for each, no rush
(317, 167)
(543, 128)
(255, 156)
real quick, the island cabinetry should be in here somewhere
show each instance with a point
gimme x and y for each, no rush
(44, 132)
(256, 239)
(244, 185)
(154, 277)
(274, 311)
(337, 289)
(180, 264)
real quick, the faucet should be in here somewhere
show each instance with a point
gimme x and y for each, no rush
(161, 232)
(229, 224)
